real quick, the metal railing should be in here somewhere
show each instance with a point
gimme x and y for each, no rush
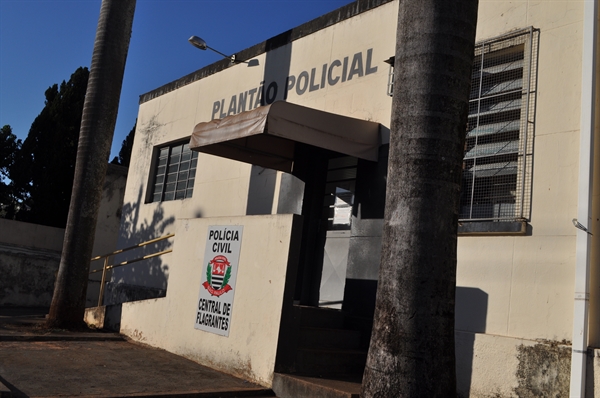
(107, 267)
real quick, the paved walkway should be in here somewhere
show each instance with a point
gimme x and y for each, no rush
(35, 362)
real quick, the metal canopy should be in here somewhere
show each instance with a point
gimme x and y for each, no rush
(266, 136)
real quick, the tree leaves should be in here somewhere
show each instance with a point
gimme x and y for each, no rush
(44, 166)
(126, 146)
(9, 146)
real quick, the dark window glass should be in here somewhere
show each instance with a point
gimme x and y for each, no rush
(174, 173)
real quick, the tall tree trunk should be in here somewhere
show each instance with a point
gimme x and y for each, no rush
(95, 137)
(412, 345)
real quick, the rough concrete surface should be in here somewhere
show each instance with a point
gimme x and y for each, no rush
(543, 371)
(27, 275)
(88, 367)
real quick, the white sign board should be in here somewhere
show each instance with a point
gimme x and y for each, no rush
(220, 266)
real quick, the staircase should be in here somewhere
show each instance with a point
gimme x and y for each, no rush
(330, 357)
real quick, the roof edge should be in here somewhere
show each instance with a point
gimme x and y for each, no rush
(331, 18)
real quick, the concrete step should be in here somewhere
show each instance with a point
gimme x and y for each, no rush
(362, 325)
(329, 338)
(324, 362)
(321, 317)
(294, 386)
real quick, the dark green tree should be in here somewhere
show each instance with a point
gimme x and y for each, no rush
(125, 153)
(9, 147)
(43, 169)
(412, 346)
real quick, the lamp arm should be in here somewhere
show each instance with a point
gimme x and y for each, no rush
(219, 52)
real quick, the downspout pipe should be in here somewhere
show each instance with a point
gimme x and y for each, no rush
(584, 202)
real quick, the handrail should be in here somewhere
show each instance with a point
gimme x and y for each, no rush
(133, 247)
(106, 267)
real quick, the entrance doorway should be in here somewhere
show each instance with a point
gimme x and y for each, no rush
(338, 202)
(330, 183)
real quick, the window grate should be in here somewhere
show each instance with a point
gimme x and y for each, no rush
(497, 167)
(175, 173)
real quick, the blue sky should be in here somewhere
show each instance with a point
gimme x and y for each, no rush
(42, 42)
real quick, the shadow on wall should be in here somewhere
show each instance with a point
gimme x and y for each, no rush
(470, 318)
(261, 190)
(107, 228)
(147, 278)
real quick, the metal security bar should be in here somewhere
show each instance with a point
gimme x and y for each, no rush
(175, 173)
(107, 267)
(497, 167)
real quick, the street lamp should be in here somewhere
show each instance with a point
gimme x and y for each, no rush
(201, 44)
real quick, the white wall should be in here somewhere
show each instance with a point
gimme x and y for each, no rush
(527, 280)
(30, 253)
(222, 186)
(250, 349)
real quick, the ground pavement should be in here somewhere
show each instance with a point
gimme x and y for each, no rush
(36, 362)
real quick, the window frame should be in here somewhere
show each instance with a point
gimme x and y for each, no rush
(172, 159)
(516, 223)
(515, 153)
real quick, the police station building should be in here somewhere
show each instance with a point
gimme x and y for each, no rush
(271, 174)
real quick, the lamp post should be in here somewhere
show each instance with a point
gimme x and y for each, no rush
(201, 44)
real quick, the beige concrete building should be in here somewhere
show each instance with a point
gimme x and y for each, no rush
(305, 132)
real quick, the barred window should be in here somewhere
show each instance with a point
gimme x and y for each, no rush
(497, 166)
(174, 173)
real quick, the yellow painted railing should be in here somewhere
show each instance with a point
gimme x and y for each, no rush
(107, 267)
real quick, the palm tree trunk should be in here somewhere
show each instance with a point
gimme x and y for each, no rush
(95, 137)
(412, 346)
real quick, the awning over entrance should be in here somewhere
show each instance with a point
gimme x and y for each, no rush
(266, 136)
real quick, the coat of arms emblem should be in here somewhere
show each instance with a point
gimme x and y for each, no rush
(218, 273)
